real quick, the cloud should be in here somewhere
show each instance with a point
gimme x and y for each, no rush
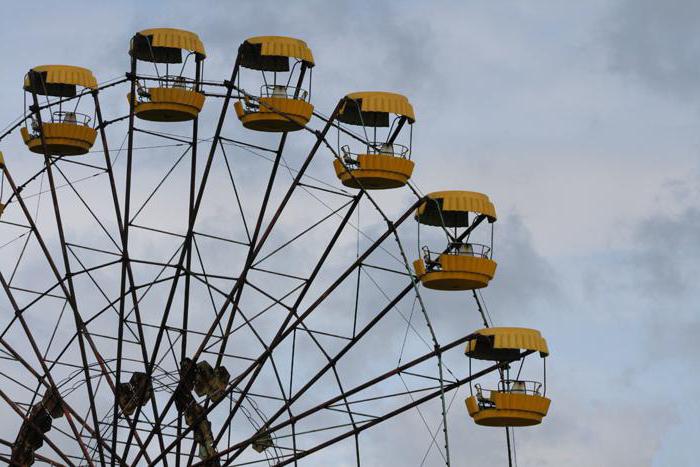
(656, 44)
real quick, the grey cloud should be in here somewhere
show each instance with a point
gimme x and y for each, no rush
(525, 278)
(657, 43)
(667, 252)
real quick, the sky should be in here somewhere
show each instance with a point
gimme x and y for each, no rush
(578, 119)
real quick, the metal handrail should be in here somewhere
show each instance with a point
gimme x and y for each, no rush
(65, 116)
(169, 81)
(527, 387)
(384, 149)
(520, 386)
(176, 81)
(458, 249)
(285, 92)
(60, 116)
(469, 249)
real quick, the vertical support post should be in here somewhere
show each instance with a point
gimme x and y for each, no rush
(188, 258)
(125, 247)
(36, 82)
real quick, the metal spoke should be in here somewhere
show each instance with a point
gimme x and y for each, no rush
(212, 313)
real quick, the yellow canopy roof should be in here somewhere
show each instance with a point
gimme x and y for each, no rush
(500, 344)
(61, 80)
(451, 208)
(268, 50)
(162, 39)
(374, 108)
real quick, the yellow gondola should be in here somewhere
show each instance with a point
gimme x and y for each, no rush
(279, 106)
(463, 264)
(66, 132)
(384, 163)
(516, 402)
(174, 97)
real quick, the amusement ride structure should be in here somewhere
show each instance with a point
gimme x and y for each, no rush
(186, 297)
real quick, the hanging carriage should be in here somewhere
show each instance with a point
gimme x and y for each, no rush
(383, 163)
(282, 104)
(172, 95)
(58, 127)
(516, 401)
(462, 264)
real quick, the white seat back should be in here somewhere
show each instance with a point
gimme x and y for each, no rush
(466, 249)
(518, 387)
(386, 149)
(279, 91)
(70, 117)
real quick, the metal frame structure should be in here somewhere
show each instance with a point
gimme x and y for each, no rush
(143, 337)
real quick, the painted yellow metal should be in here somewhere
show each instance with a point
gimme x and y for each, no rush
(457, 272)
(372, 103)
(64, 139)
(276, 114)
(170, 105)
(509, 409)
(280, 46)
(472, 405)
(172, 38)
(452, 208)
(61, 80)
(375, 172)
(419, 267)
(504, 343)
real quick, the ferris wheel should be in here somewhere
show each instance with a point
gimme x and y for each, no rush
(206, 273)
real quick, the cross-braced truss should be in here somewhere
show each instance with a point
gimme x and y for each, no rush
(209, 297)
